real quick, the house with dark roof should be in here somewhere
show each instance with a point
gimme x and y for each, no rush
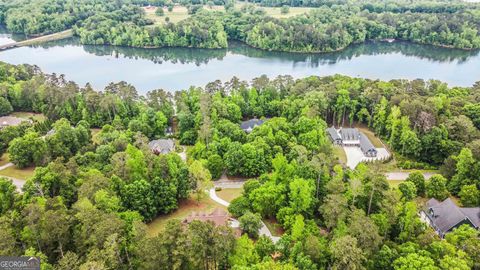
(350, 136)
(249, 125)
(162, 146)
(367, 147)
(445, 216)
(334, 136)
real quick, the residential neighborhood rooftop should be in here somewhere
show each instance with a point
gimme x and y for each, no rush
(162, 146)
(446, 216)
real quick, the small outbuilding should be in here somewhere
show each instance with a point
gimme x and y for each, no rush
(162, 146)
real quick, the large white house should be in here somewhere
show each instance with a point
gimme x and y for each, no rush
(352, 137)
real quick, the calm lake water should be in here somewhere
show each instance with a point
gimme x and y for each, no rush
(179, 68)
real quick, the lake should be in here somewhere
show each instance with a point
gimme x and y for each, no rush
(179, 68)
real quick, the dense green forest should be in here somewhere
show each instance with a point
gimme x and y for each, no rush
(89, 199)
(327, 28)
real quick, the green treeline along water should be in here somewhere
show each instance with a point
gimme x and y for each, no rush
(179, 68)
(330, 27)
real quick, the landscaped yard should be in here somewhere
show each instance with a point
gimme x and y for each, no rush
(185, 208)
(17, 173)
(228, 194)
(27, 115)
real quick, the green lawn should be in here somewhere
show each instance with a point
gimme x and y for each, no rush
(340, 154)
(228, 194)
(17, 173)
(27, 115)
(185, 208)
(179, 13)
(294, 11)
(274, 227)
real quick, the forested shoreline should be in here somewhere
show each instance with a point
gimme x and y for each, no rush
(329, 27)
(88, 202)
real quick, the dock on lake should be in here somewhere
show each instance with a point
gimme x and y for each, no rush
(55, 36)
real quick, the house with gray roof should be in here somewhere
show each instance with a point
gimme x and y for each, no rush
(352, 137)
(162, 146)
(367, 147)
(334, 136)
(249, 125)
(445, 216)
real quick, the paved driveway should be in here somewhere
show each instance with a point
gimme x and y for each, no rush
(263, 230)
(355, 155)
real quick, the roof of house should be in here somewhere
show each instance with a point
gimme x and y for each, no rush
(11, 120)
(349, 134)
(162, 146)
(333, 134)
(250, 124)
(445, 215)
(365, 143)
(219, 217)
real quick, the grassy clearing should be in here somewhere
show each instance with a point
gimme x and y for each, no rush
(185, 208)
(340, 154)
(294, 11)
(274, 227)
(27, 115)
(15, 172)
(179, 13)
(228, 194)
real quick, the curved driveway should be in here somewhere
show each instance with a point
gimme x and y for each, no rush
(263, 230)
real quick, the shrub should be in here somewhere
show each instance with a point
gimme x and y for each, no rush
(239, 206)
(436, 187)
(250, 223)
(159, 12)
